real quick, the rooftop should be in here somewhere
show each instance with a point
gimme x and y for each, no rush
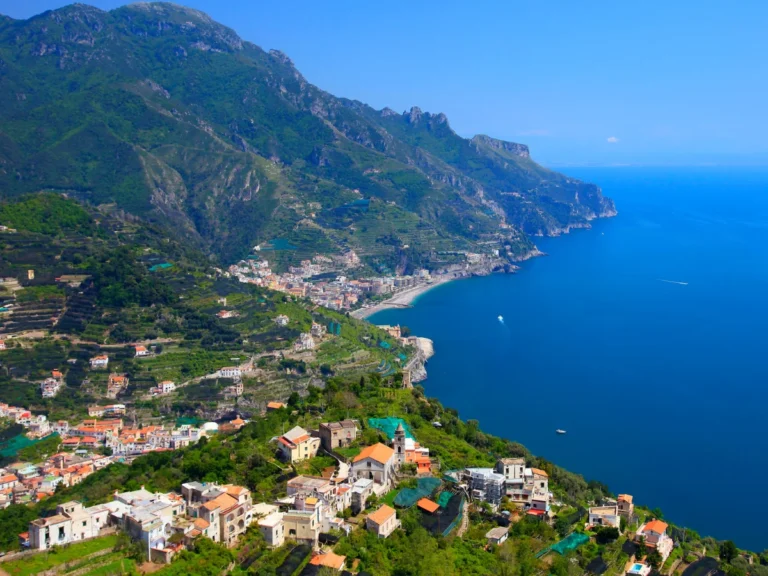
(381, 515)
(378, 452)
(428, 505)
(328, 559)
(497, 532)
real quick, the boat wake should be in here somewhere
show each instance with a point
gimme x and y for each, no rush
(673, 282)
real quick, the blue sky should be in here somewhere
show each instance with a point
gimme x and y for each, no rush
(594, 82)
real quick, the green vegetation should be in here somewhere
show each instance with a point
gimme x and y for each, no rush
(58, 556)
(216, 119)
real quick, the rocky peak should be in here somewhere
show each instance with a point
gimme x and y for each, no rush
(387, 112)
(510, 147)
(414, 115)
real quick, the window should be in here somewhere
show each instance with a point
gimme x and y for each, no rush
(84, 522)
(369, 464)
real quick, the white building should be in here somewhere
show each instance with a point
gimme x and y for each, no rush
(604, 516)
(382, 522)
(375, 463)
(99, 362)
(230, 372)
(304, 342)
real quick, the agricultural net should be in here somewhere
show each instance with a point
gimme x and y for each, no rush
(407, 497)
(389, 425)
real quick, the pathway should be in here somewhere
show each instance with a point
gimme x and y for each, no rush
(464, 520)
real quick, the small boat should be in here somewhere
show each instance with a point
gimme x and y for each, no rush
(559, 431)
(501, 318)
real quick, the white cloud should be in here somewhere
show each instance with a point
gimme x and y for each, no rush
(612, 139)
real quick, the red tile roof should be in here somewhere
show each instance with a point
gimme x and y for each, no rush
(378, 452)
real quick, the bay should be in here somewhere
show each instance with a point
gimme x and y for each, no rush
(644, 337)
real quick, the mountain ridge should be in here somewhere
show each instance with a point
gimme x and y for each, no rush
(170, 115)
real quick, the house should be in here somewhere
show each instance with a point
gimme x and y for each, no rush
(626, 507)
(317, 330)
(230, 372)
(116, 384)
(71, 523)
(600, 516)
(8, 481)
(224, 314)
(376, 463)
(655, 535)
(140, 351)
(303, 526)
(273, 529)
(304, 342)
(228, 510)
(393, 331)
(382, 522)
(166, 387)
(2, 344)
(271, 406)
(50, 387)
(297, 444)
(497, 536)
(99, 362)
(282, 320)
(359, 494)
(329, 560)
(338, 434)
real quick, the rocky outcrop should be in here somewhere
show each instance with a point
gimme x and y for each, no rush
(510, 147)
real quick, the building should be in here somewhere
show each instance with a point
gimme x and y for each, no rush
(393, 331)
(497, 536)
(338, 434)
(99, 362)
(282, 320)
(304, 342)
(71, 523)
(382, 522)
(376, 463)
(140, 351)
(271, 406)
(116, 384)
(361, 490)
(2, 345)
(50, 387)
(273, 529)
(230, 372)
(655, 535)
(317, 330)
(303, 526)
(226, 508)
(512, 468)
(166, 387)
(224, 314)
(297, 444)
(486, 485)
(626, 507)
(604, 516)
(329, 560)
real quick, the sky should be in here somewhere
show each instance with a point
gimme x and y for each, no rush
(582, 83)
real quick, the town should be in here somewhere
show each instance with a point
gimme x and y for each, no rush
(364, 491)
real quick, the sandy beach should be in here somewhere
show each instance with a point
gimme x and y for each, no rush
(405, 298)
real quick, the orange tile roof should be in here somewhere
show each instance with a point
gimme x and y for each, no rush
(378, 452)
(328, 559)
(540, 472)
(381, 515)
(234, 490)
(427, 505)
(194, 533)
(201, 523)
(656, 526)
(223, 501)
(8, 478)
(275, 405)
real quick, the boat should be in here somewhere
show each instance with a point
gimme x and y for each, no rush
(559, 431)
(501, 318)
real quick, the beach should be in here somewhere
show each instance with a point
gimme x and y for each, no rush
(404, 298)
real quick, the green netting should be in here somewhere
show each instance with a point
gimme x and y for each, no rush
(407, 497)
(442, 500)
(389, 425)
(9, 448)
(573, 541)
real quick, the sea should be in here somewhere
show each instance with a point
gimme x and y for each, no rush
(644, 337)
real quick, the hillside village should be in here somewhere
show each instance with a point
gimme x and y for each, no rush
(361, 492)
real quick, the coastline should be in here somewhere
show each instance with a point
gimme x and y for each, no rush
(405, 298)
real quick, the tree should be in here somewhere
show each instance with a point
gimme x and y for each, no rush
(607, 534)
(294, 399)
(657, 513)
(728, 551)
(654, 558)
(641, 549)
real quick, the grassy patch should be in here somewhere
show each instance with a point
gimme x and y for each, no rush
(47, 560)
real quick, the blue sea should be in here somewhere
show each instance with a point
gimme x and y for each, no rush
(646, 338)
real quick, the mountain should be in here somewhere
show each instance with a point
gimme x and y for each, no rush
(168, 115)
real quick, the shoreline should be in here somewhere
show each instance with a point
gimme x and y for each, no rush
(405, 298)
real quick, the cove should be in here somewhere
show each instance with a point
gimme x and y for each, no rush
(644, 338)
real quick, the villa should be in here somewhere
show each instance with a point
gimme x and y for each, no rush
(382, 522)
(626, 507)
(375, 463)
(297, 444)
(655, 534)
